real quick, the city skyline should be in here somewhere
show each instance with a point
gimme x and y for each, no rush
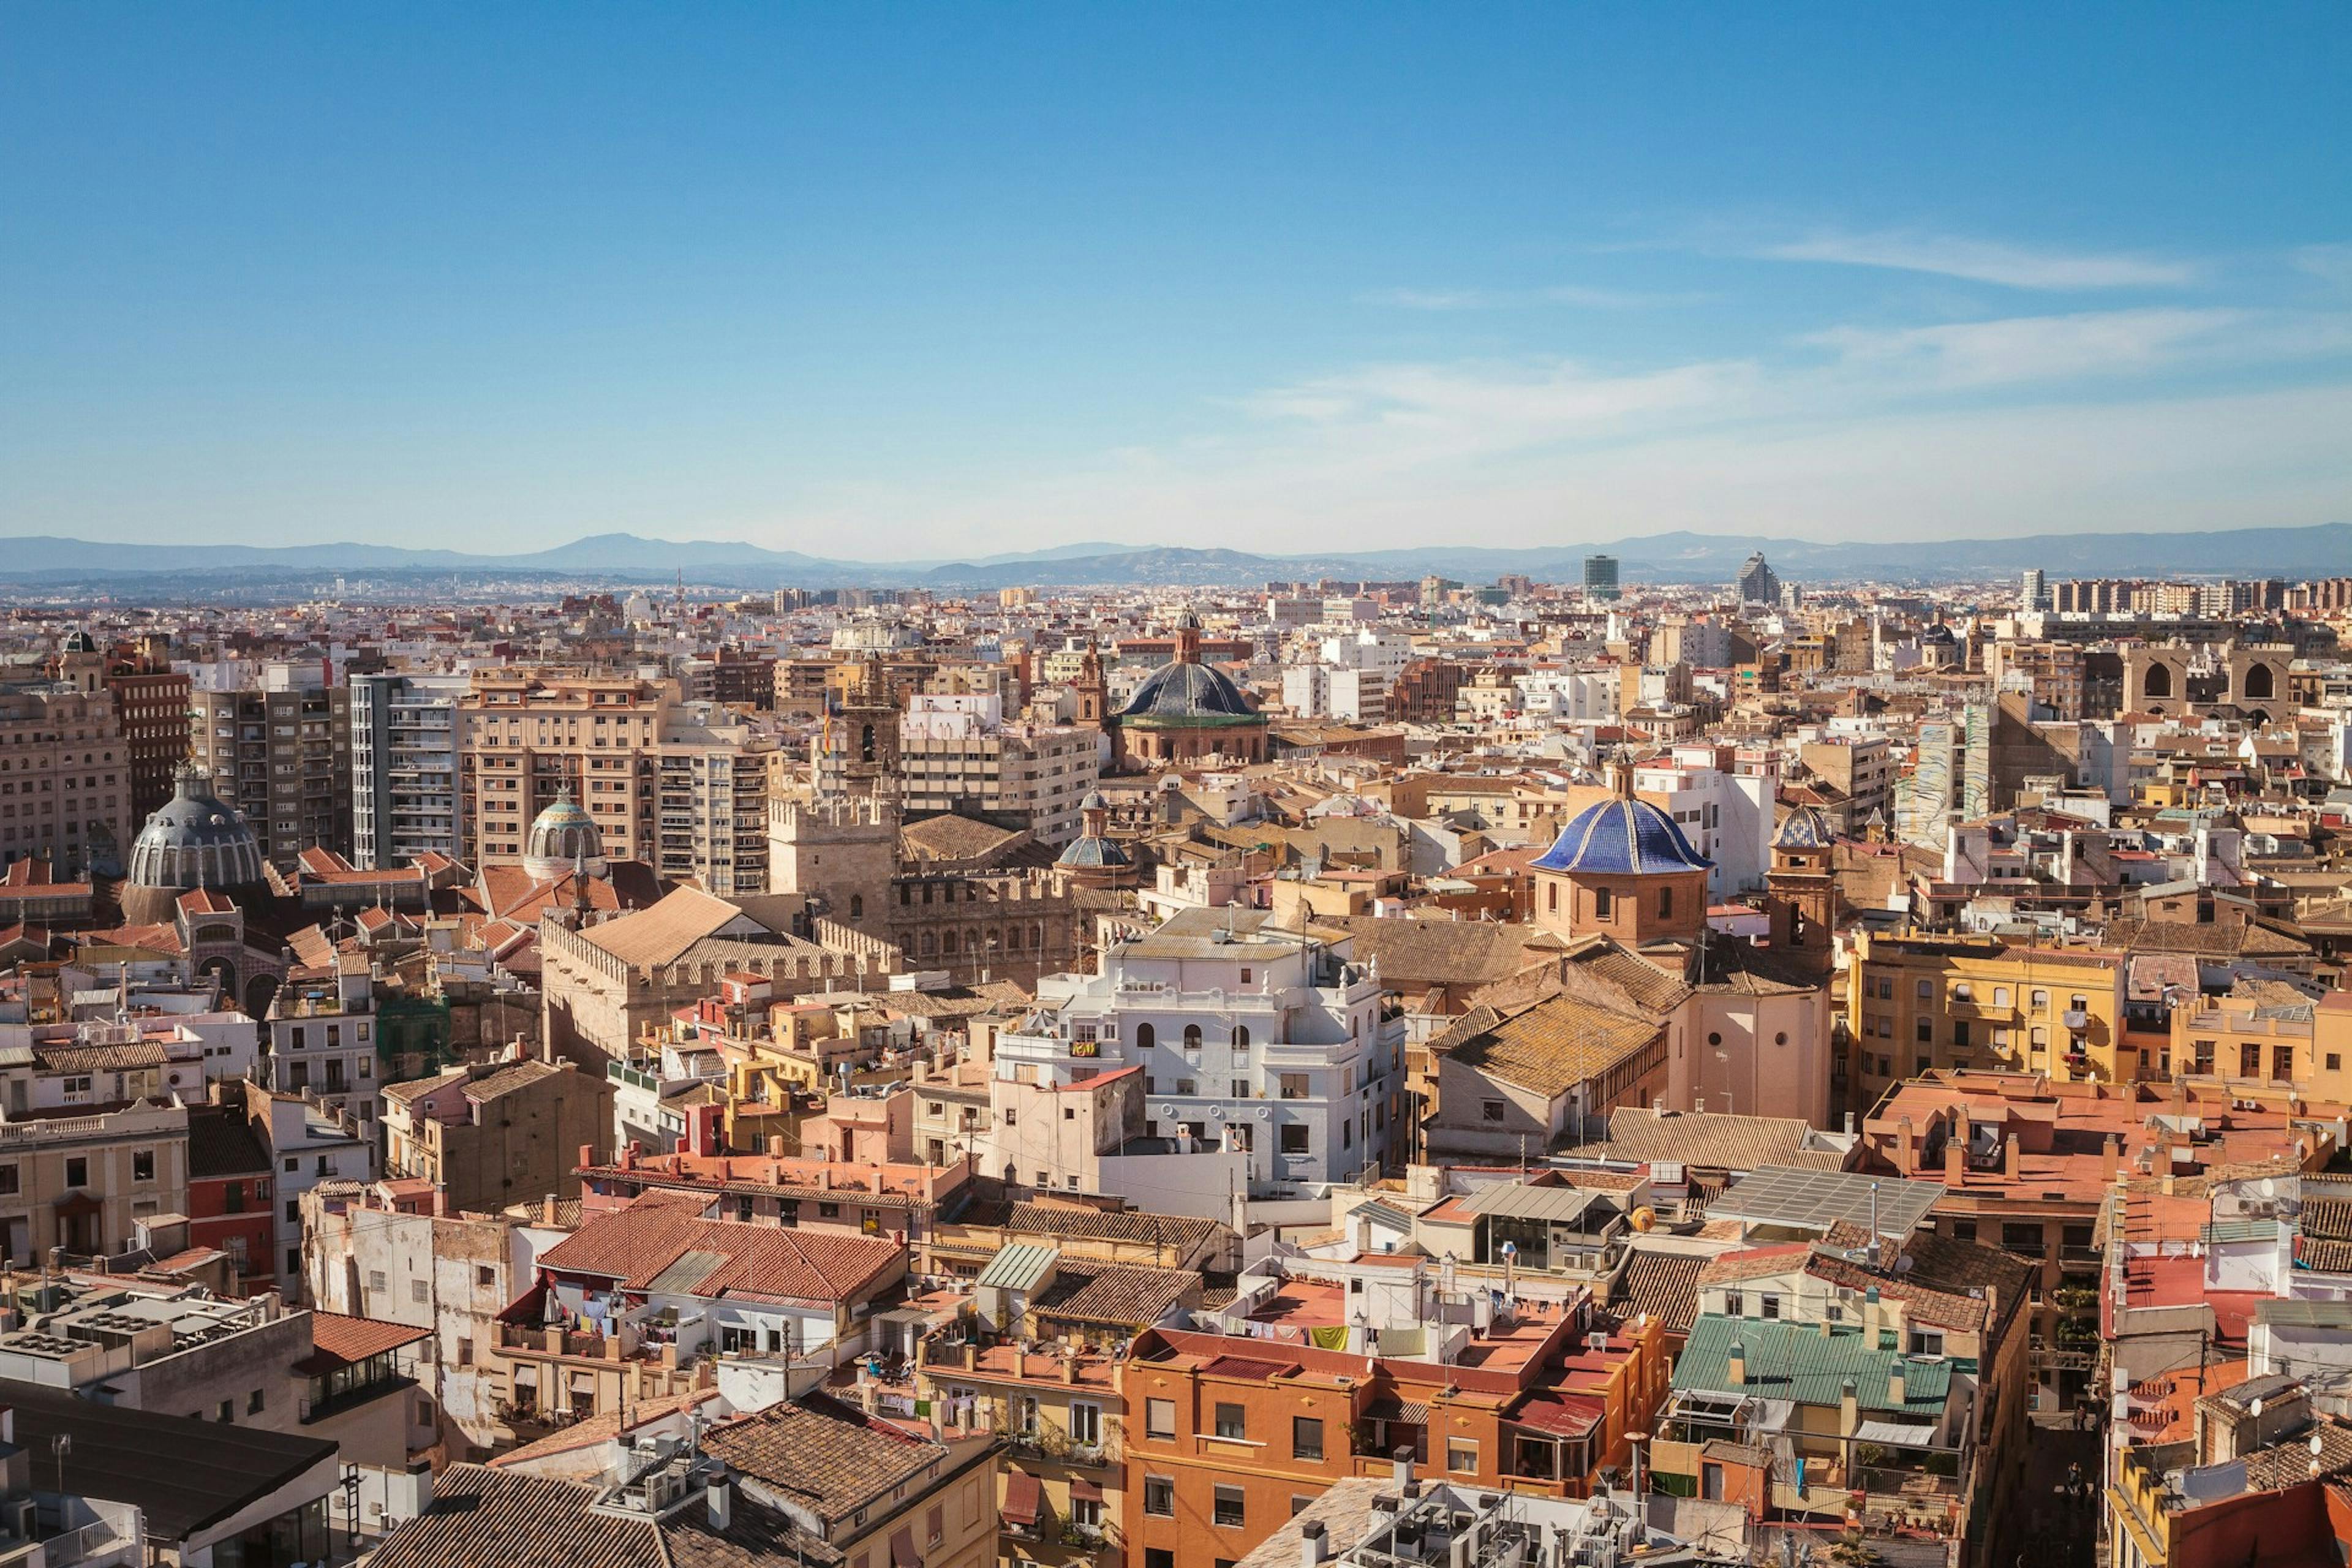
(942, 286)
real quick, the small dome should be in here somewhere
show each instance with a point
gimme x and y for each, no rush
(1095, 853)
(80, 642)
(195, 840)
(1096, 800)
(1186, 692)
(561, 838)
(1806, 827)
(1622, 835)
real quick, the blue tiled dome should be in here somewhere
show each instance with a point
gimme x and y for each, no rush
(1625, 836)
(1806, 827)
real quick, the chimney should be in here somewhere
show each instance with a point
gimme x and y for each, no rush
(1955, 1155)
(2009, 1157)
(1735, 1368)
(1312, 1543)
(775, 1145)
(1400, 1473)
(1894, 1386)
(1849, 1410)
(587, 1153)
(547, 1209)
(718, 1499)
(1907, 1147)
(2110, 1158)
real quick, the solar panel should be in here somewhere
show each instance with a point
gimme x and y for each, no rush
(1815, 1200)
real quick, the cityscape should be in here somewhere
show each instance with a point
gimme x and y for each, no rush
(1139, 789)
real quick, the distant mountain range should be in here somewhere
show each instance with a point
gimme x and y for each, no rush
(47, 563)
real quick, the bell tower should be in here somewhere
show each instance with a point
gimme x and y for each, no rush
(1093, 691)
(1801, 889)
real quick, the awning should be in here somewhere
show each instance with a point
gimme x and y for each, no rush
(1022, 1498)
(1894, 1434)
(1084, 1490)
(902, 1549)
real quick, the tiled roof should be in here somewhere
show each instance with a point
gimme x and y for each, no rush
(222, 1142)
(1129, 1296)
(953, 837)
(484, 1516)
(653, 938)
(1622, 836)
(340, 1340)
(1548, 1047)
(639, 1244)
(1664, 1285)
(823, 1454)
(1712, 1140)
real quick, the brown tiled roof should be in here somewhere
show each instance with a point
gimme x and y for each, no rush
(1926, 1304)
(128, 1058)
(638, 1243)
(823, 1454)
(2254, 939)
(1662, 1284)
(222, 1142)
(2293, 1462)
(1711, 1140)
(661, 935)
(1053, 1219)
(1548, 1047)
(484, 1516)
(953, 837)
(1129, 1296)
(340, 1340)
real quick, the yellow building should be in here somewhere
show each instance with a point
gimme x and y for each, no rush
(2288, 1039)
(1915, 1003)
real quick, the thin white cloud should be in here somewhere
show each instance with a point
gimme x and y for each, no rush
(1580, 296)
(2034, 348)
(2328, 263)
(1985, 261)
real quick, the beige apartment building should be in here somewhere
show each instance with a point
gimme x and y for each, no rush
(957, 752)
(530, 736)
(65, 778)
(282, 755)
(711, 806)
(85, 1182)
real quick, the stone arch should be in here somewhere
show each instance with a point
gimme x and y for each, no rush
(260, 991)
(220, 969)
(2159, 681)
(2261, 684)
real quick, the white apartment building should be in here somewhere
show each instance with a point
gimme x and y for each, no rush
(958, 753)
(323, 1040)
(308, 1145)
(1336, 692)
(1252, 1041)
(1726, 814)
(710, 799)
(1572, 696)
(407, 799)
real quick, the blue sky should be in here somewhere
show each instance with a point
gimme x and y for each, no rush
(912, 281)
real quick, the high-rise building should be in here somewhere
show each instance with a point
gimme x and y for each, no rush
(1756, 581)
(1601, 578)
(150, 702)
(528, 736)
(711, 803)
(65, 794)
(407, 791)
(958, 753)
(2032, 593)
(282, 755)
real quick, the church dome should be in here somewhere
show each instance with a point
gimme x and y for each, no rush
(1622, 837)
(195, 840)
(1188, 693)
(1095, 855)
(561, 838)
(80, 642)
(1806, 827)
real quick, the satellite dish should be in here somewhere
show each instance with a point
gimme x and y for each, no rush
(2255, 1409)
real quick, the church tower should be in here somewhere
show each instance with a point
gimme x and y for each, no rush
(1801, 889)
(1093, 691)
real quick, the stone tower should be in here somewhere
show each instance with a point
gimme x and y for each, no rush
(837, 852)
(1801, 889)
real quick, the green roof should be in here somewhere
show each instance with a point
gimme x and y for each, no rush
(1798, 1362)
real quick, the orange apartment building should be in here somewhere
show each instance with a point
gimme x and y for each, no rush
(1228, 1435)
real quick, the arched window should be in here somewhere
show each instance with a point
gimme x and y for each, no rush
(1241, 1036)
(1036, 934)
(1146, 1036)
(1013, 938)
(930, 944)
(2158, 682)
(947, 942)
(857, 906)
(996, 939)
(2258, 682)
(1551, 896)
(1191, 1037)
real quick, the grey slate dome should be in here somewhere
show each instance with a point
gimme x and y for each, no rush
(195, 839)
(561, 838)
(1095, 855)
(80, 642)
(1184, 692)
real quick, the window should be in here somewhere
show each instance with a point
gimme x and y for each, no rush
(1960, 991)
(1771, 1306)
(77, 1171)
(1085, 1423)
(1306, 1437)
(1666, 911)
(1191, 1037)
(142, 1166)
(1926, 1341)
(1158, 1557)
(375, 1279)
(2042, 1001)
(1296, 1086)
(1490, 1110)
(1734, 1304)
(2026, 1237)
(293, 1211)
(8, 1182)
(1600, 903)
(293, 1260)
(417, 1291)
(1296, 1139)
(1232, 1423)
(1228, 1513)
(1462, 1456)
(1159, 1418)
(227, 1412)
(1145, 1035)
(2000, 995)
(253, 1402)
(1925, 990)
